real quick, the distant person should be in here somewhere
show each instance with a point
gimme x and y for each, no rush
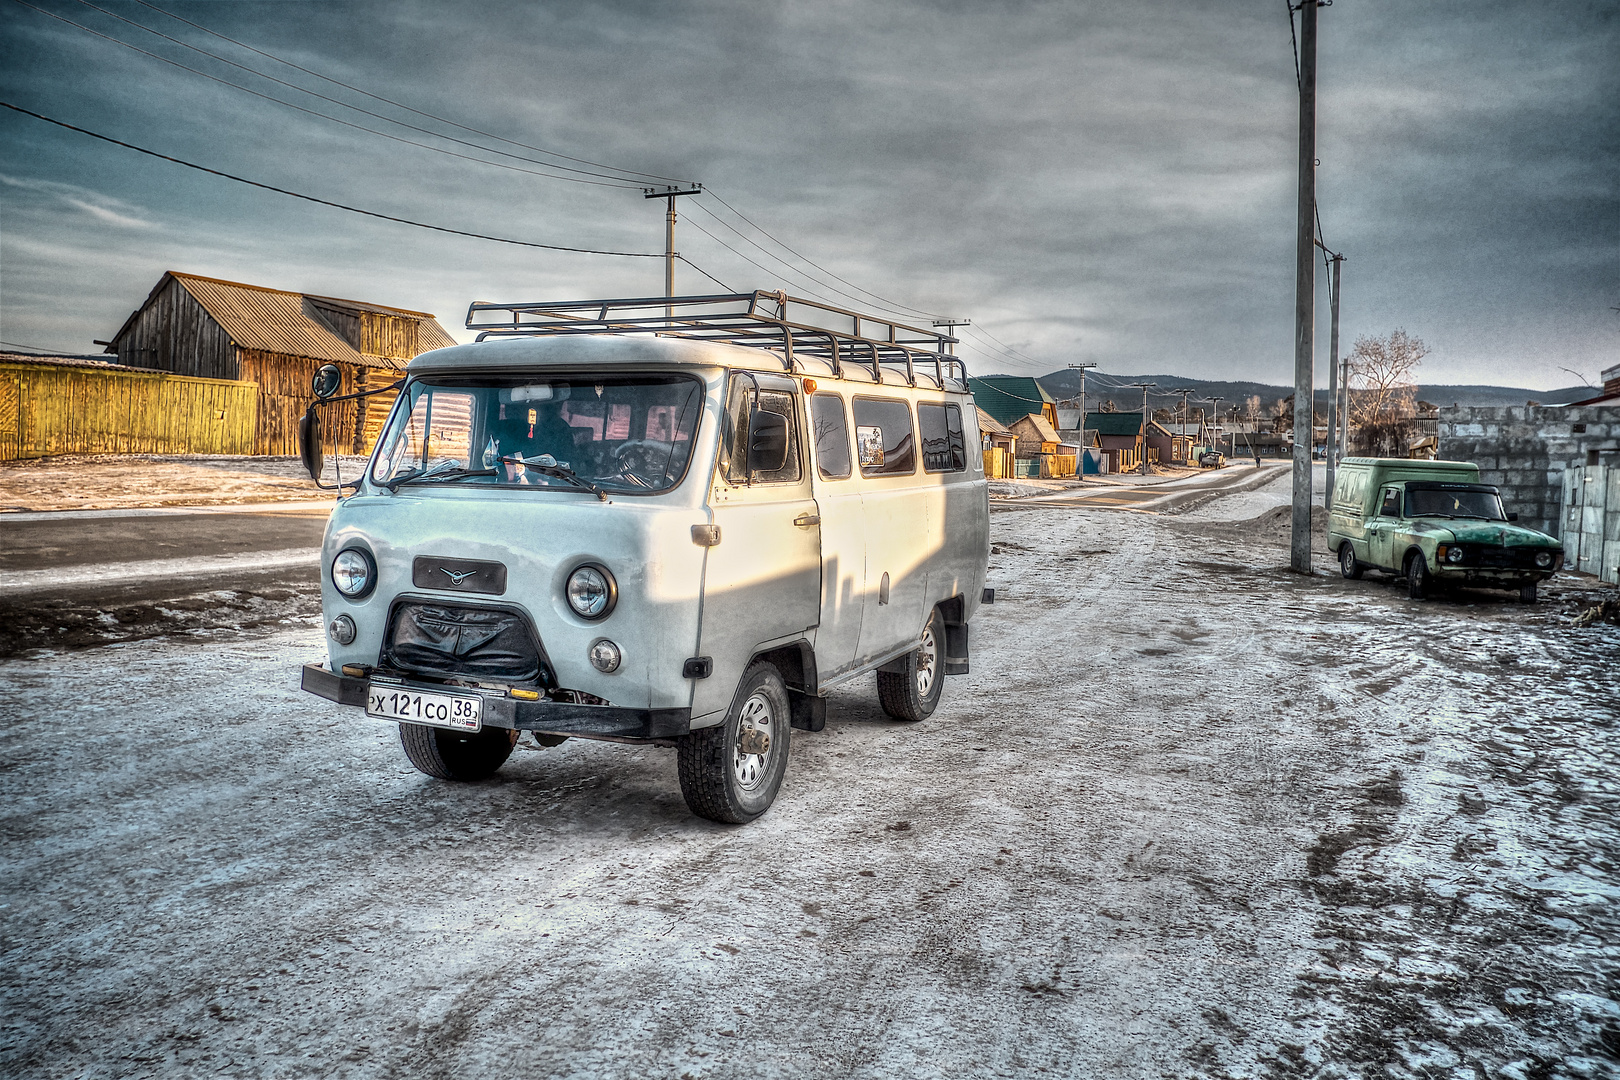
(1256, 450)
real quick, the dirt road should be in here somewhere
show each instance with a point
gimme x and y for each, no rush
(1189, 816)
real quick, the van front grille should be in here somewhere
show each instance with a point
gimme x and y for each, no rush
(454, 640)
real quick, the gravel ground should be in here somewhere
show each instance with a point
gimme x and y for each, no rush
(1191, 815)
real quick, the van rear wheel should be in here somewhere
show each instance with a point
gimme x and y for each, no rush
(1348, 564)
(1527, 593)
(457, 755)
(914, 692)
(731, 773)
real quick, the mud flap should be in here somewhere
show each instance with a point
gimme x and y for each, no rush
(956, 648)
(809, 712)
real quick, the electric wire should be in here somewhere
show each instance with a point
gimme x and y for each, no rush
(328, 202)
(321, 115)
(627, 173)
(345, 105)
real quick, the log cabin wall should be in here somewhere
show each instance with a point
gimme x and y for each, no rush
(173, 332)
(284, 393)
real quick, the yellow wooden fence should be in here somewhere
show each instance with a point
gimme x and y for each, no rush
(47, 409)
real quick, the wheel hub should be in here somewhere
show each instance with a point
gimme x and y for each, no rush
(927, 663)
(754, 728)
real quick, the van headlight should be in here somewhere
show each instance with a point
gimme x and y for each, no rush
(353, 573)
(1544, 559)
(592, 592)
(1454, 554)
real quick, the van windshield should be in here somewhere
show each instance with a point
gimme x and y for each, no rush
(1429, 502)
(629, 434)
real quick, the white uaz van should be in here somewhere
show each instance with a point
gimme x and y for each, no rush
(679, 522)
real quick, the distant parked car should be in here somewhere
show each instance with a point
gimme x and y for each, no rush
(1433, 523)
(1212, 459)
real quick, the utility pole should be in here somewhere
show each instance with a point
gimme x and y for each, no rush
(1082, 368)
(1215, 411)
(950, 326)
(1333, 378)
(1304, 293)
(1184, 392)
(671, 194)
(1344, 388)
(1144, 387)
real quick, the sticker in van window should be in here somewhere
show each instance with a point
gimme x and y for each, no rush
(869, 440)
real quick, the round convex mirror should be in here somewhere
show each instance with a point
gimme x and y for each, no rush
(327, 380)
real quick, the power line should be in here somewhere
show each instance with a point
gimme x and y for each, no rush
(328, 202)
(407, 108)
(346, 105)
(321, 115)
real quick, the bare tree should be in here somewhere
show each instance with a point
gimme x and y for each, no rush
(1383, 391)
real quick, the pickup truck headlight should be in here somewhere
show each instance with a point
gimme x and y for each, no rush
(592, 592)
(1454, 554)
(1544, 559)
(353, 573)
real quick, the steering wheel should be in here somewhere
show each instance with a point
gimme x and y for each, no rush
(642, 458)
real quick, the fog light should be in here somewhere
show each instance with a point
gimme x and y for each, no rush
(1544, 559)
(342, 630)
(605, 656)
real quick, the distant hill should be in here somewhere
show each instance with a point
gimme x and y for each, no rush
(1101, 387)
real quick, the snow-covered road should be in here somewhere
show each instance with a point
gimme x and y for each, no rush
(1189, 816)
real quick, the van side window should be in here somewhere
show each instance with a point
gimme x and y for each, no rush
(1392, 503)
(830, 431)
(734, 442)
(883, 437)
(944, 448)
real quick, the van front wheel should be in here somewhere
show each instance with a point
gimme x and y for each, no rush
(1419, 583)
(913, 692)
(457, 755)
(731, 773)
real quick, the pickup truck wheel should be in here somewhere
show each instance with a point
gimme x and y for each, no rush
(913, 694)
(1348, 566)
(731, 773)
(1527, 593)
(457, 755)
(1419, 585)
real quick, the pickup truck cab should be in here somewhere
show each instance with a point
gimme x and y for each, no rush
(1432, 523)
(678, 522)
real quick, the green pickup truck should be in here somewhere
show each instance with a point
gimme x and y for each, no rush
(1433, 523)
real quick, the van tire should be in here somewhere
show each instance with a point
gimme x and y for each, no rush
(718, 781)
(1527, 593)
(1419, 584)
(457, 755)
(913, 694)
(1349, 565)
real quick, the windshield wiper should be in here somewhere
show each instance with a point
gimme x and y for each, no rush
(562, 472)
(418, 474)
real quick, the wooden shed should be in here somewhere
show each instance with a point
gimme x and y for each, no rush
(208, 328)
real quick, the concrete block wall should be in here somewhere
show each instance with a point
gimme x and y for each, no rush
(1524, 449)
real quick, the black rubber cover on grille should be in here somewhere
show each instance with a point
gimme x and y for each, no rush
(448, 640)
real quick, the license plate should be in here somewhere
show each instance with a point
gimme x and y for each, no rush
(459, 711)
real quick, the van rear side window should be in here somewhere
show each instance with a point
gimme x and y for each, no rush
(944, 448)
(830, 432)
(883, 437)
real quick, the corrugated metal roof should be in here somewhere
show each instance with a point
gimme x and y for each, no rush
(430, 335)
(74, 361)
(1008, 397)
(1125, 423)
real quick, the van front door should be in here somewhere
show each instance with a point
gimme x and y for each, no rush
(1381, 529)
(896, 502)
(762, 582)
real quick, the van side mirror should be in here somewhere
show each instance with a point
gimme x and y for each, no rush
(1513, 516)
(327, 381)
(767, 440)
(309, 443)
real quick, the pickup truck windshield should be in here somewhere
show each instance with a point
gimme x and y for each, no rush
(629, 434)
(1463, 504)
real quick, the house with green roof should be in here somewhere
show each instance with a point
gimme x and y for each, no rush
(1010, 398)
(1120, 434)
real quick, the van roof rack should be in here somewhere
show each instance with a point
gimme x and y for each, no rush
(765, 320)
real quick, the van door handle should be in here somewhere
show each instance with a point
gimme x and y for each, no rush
(804, 521)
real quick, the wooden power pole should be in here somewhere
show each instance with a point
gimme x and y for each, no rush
(670, 193)
(1337, 262)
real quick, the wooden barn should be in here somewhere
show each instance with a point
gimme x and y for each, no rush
(213, 329)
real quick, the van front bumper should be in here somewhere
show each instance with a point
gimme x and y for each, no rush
(547, 717)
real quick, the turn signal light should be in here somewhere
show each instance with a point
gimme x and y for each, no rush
(809, 386)
(525, 695)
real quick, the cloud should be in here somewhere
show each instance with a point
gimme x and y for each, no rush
(95, 205)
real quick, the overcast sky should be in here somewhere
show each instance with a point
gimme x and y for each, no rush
(1110, 181)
